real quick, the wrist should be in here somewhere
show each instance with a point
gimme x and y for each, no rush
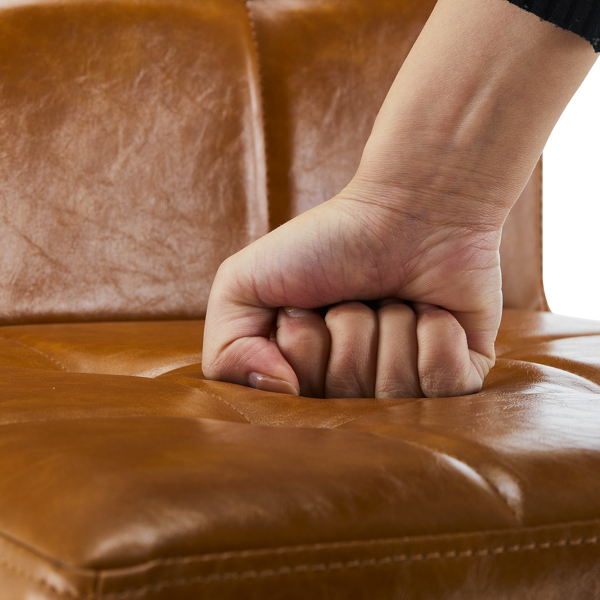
(467, 118)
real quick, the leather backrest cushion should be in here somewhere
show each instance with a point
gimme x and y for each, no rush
(133, 162)
(131, 159)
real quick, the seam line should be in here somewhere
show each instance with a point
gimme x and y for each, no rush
(308, 568)
(204, 391)
(353, 564)
(239, 412)
(261, 93)
(38, 351)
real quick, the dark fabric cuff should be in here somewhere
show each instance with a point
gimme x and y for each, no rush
(579, 16)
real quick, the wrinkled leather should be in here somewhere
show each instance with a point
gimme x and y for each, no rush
(132, 158)
(132, 163)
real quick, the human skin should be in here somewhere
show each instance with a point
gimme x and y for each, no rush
(452, 148)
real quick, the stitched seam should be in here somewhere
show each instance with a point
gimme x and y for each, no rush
(36, 350)
(239, 412)
(353, 544)
(65, 593)
(203, 391)
(353, 564)
(353, 419)
(261, 92)
(231, 576)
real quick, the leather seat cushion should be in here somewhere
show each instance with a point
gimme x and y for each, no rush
(125, 474)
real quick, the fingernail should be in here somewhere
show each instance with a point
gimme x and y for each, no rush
(297, 312)
(422, 307)
(270, 384)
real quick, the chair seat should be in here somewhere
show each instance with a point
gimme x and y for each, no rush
(124, 474)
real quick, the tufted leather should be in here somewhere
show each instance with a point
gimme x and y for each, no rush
(125, 474)
(133, 161)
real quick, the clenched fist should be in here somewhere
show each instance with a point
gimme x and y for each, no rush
(348, 249)
(393, 287)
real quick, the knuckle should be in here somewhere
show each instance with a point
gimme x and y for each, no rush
(443, 382)
(397, 388)
(353, 312)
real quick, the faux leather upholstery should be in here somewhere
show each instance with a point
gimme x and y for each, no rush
(133, 160)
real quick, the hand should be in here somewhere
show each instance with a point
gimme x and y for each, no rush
(354, 351)
(355, 247)
(452, 148)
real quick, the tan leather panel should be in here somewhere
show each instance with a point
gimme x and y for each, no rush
(218, 486)
(537, 470)
(172, 488)
(132, 156)
(494, 565)
(47, 396)
(578, 356)
(128, 348)
(522, 328)
(15, 354)
(521, 249)
(326, 67)
(283, 410)
(25, 573)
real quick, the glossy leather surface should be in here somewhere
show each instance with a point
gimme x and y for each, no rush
(125, 474)
(132, 156)
(133, 162)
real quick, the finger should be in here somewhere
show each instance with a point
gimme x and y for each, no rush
(237, 335)
(397, 369)
(353, 356)
(303, 340)
(444, 359)
(481, 329)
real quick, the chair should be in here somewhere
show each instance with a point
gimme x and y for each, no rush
(142, 143)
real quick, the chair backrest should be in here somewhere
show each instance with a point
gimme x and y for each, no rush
(133, 134)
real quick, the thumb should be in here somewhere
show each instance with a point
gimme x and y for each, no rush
(237, 336)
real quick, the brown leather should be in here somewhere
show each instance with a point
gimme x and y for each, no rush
(132, 162)
(132, 157)
(133, 141)
(521, 249)
(174, 487)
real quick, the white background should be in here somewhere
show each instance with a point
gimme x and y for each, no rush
(572, 205)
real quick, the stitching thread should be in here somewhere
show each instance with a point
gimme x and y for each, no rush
(239, 412)
(307, 568)
(202, 390)
(281, 550)
(353, 564)
(38, 351)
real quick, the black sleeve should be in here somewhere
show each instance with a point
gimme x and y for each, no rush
(579, 16)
